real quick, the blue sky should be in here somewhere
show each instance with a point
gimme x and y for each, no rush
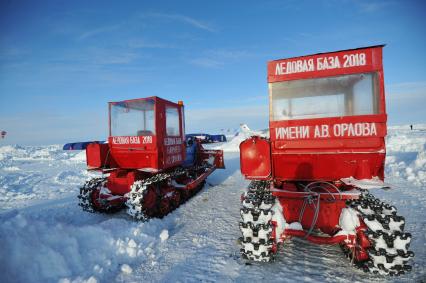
(62, 61)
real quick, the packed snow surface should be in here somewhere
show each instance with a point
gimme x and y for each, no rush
(46, 237)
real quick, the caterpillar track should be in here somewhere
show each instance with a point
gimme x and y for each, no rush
(388, 252)
(256, 226)
(89, 200)
(164, 196)
(140, 189)
(389, 244)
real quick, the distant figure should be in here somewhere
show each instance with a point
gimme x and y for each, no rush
(3, 134)
(411, 127)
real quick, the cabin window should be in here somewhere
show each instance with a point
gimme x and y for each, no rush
(132, 118)
(347, 95)
(172, 121)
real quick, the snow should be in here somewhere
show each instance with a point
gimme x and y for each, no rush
(233, 144)
(46, 237)
(374, 225)
(164, 235)
(126, 269)
(30, 174)
(348, 220)
(406, 156)
(366, 184)
(279, 219)
(12, 168)
(295, 226)
(81, 156)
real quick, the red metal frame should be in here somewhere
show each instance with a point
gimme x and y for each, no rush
(330, 206)
(358, 242)
(331, 201)
(318, 239)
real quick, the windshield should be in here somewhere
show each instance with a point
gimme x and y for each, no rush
(132, 118)
(347, 95)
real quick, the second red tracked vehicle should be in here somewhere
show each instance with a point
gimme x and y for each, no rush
(149, 165)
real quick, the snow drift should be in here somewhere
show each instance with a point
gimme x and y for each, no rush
(233, 144)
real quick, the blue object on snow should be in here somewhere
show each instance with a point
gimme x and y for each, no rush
(79, 145)
(204, 138)
(217, 138)
(191, 152)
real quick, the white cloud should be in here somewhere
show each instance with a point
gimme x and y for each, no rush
(99, 30)
(206, 62)
(140, 43)
(116, 58)
(181, 18)
(216, 58)
(95, 56)
(228, 54)
(372, 6)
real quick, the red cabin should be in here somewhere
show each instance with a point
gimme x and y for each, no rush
(327, 118)
(145, 133)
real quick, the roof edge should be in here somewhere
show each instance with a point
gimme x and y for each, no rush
(314, 54)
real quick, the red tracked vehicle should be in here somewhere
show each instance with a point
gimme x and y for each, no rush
(326, 149)
(150, 166)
